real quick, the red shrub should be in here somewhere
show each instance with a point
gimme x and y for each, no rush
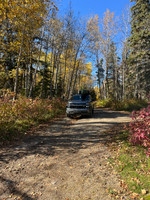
(140, 128)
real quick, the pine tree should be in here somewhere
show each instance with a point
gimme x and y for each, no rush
(139, 58)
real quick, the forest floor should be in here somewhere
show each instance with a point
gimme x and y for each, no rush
(64, 160)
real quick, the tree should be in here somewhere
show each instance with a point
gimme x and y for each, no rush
(100, 75)
(125, 47)
(109, 25)
(113, 71)
(20, 24)
(95, 37)
(139, 58)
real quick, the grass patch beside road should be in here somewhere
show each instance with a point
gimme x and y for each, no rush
(131, 163)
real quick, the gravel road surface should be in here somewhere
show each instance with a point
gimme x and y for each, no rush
(67, 160)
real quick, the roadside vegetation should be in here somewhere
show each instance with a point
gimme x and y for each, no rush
(127, 105)
(132, 154)
(139, 127)
(133, 166)
(16, 117)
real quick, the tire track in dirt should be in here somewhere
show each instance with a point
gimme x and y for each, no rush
(66, 161)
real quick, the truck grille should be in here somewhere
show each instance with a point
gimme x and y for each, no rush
(74, 105)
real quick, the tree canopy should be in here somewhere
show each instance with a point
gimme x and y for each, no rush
(46, 54)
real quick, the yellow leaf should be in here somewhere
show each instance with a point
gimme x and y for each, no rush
(143, 191)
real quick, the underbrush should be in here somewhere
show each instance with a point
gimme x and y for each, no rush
(139, 129)
(133, 166)
(127, 105)
(18, 116)
(132, 157)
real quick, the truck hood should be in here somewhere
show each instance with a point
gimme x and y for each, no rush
(74, 102)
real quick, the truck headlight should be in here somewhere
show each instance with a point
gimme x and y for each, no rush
(67, 106)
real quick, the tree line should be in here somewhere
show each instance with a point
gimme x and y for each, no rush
(42, 53)
(46, 54)
(123, 73)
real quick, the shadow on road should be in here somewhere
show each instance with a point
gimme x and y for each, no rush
(11, 185)
(105, 113)
(64, 137)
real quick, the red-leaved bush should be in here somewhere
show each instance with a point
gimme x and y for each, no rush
(139, 128)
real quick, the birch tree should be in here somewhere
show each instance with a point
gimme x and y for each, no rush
(125, 33)
(109, 31)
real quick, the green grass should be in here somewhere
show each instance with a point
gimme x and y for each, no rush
(132, 165)
(134, 168)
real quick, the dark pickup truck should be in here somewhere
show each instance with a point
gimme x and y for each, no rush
(80, 105)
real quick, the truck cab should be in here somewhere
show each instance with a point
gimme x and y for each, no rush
(80, 104)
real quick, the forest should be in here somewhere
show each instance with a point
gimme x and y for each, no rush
(46, 54)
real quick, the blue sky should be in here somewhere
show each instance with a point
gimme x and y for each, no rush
(87, 8)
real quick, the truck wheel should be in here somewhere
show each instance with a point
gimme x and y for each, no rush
(68, 115)
(91, 113)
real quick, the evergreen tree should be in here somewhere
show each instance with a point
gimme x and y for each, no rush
(139, 58)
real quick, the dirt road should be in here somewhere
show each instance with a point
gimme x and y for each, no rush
(65, 161)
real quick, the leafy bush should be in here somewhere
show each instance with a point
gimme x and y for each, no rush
(103, 103)
(134, 104)
(128, 105)
(17, 116)
(140, 128)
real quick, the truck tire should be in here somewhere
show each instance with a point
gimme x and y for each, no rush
(68, 115)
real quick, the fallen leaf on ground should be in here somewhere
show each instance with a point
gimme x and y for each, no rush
(143, 191)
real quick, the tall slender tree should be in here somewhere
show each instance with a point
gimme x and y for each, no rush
(125, 47)
(100, 75)
(109, 24)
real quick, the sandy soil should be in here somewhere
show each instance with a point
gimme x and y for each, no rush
(68, 160)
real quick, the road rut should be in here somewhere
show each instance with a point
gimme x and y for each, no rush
(68, 160)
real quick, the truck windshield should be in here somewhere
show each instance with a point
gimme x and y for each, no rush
(80, 97)
(76, 97)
